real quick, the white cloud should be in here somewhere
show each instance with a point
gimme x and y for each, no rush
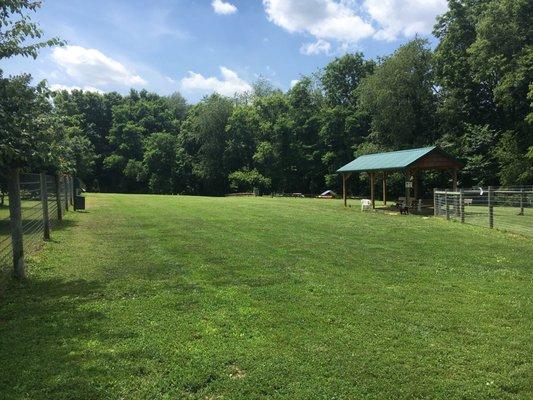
(294, 82)
(324, 19)
(229, 85)
(92, 67)
(349, 21)
(319, 47)
(56, 87)
(406, 18)
(223, 7)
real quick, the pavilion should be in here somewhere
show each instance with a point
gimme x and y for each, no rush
(410, 162)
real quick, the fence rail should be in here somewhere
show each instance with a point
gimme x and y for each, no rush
(33, 206)
(505, 208)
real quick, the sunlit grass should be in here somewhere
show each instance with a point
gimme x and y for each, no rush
(175, 297)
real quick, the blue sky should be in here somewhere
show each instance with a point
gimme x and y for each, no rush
(200, 46)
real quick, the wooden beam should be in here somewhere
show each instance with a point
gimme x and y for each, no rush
(384, 188)
(372, 194)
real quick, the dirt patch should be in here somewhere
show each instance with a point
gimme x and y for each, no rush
(236, 372)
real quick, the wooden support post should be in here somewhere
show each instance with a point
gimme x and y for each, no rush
(372, 189)
(384, 188)
(407, 188)
(462, 206)
(44, 202)
(65, 191)
(454, 184)
(57, 188)
(344, 189)
(415, 185)
(15, 217)
(446, 204)
(491, 209)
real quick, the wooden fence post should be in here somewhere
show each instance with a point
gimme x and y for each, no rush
(435, 202)
(521, 202)
(44, 202)
(446, 204)
(15, 217)
(71, 191)
(65, 191)
(491, 209)
(57, 188)
(462, 206)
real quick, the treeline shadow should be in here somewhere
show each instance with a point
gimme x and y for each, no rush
(46, 330)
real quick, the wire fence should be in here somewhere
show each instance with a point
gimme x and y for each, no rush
(25, 222)
(505, 208)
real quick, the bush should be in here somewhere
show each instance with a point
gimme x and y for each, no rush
(248, 180)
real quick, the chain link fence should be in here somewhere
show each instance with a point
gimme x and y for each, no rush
(505, 208)
(34, 205)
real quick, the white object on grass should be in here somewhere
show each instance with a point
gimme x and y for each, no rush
(366, 204)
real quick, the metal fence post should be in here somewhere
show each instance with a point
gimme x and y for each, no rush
(44, 202)
(65, 191)
(58, 198)
(462, 205)
(15, 217)
(446, 204)
(491, 209)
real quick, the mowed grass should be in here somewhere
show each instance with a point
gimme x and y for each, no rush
(171, 297)
(504, 218)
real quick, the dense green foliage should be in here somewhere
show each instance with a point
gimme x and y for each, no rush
(472, 95)
(28, 134)
(177, 297)
(469, 95)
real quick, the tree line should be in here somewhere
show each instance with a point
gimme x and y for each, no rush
(472, 95)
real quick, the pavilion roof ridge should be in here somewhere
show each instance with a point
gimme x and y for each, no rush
(400, 151)
(392, 160)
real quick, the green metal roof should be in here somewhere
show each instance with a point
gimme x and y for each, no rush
(386, 161)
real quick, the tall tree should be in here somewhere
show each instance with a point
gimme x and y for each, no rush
(400, 98)
(341, 77)
(160, 162)
(24, 110)
(203, 138)
(484, 68)
(305, 103)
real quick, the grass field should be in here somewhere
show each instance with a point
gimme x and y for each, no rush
(505, 218)
(167, 297)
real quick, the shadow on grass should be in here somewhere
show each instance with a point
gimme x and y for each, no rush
(6, 266)
(52, 344)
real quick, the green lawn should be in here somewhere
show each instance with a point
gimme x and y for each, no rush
(170, 297)
(505, 218)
